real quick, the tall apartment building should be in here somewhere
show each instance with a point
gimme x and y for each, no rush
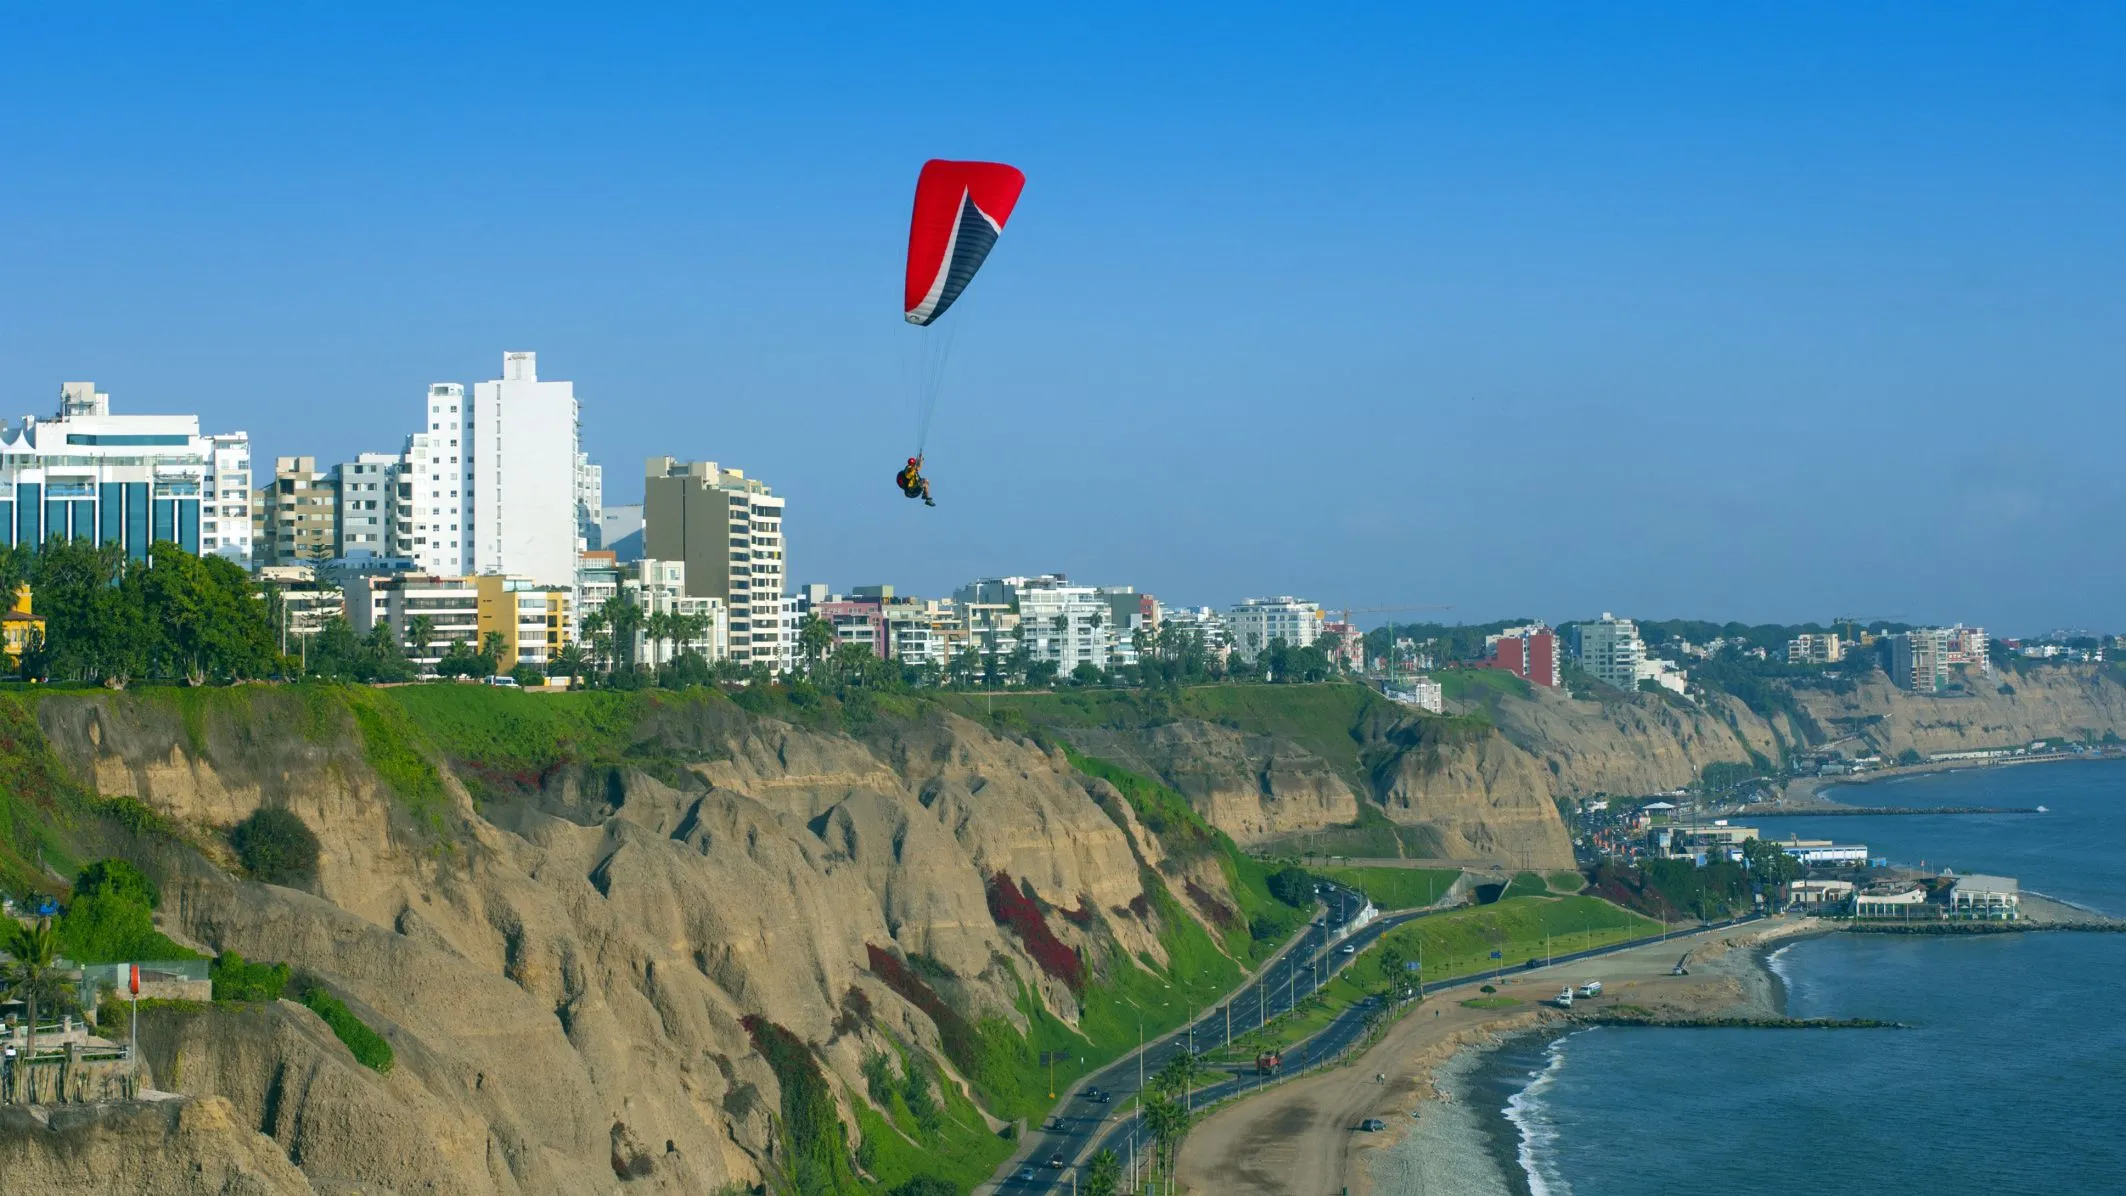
(225, 498)
(1254, 622)
(590, 502)
(295, 517)
(1530, 653)
(1919, 660)
(432, 508)
(130, 480)
(525, 465)
(728, 531)
(1611, 651)
(1815, 648)
(1969, 646)
(366, 489)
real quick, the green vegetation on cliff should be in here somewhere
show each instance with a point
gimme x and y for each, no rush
(1395, 888)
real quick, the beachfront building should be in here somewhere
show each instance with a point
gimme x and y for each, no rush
(1821, 896)
(1992, 898)
(295, 517)
(1901, 901)
(225, 494)
(450, 606)
(365, 489)
(526, 475)
(1823, 853)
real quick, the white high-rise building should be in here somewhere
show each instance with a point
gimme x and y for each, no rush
(525, 469)
(1255, 622)
(434, 504)
(1611, 651)
(366, 493)
(225, 498)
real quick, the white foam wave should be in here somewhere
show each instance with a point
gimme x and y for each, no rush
(2087, 909)
(1776, 964)
(1530, 1115)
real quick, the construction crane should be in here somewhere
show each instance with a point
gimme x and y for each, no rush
(1383, 610)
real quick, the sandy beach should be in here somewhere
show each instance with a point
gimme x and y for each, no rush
(1299, 1137)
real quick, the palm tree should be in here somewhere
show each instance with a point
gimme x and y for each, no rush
(33, 975)
(1103, 1175)
(815, 639)
(420, 632)
(1166, 1121)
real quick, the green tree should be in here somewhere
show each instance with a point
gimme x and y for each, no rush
(1167, 1122)
(118, 878)
(1293, 886)
(32, 973)
(815, 639)
(276, 846)
(925, 1185)
(493, 646)
(420, 635)
(1770, 863)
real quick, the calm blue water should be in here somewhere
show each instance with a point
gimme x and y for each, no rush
(2014, 1080)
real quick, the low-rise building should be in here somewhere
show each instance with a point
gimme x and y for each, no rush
(1821, 895)
(1421, 692)
(1823, 853)
(21, 627)
(1815, 648)
(1991, 898)
(692, 623)
(1904, 901)
(306, 604)
(532, 619)
(445, 609)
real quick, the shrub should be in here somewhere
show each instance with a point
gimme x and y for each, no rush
(1293, 886)
(925, 1185)
(527, 674)
(238, 980)
(119, 879)
(954, 1031)
(878, 1078)
(817, 1143)
(276, 846)
(108, 927)
(1223, 916)
(1014, 909)
(368, 1047)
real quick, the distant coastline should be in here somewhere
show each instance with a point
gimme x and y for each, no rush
(1812, 790)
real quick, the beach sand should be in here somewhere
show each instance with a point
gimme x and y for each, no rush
(1299, 1136)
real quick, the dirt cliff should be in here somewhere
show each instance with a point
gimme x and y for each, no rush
(159, 1148)
(565, 963)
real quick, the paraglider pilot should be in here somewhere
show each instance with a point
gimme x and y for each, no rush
(912, 482)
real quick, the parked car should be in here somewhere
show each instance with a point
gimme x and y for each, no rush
(503, 682)
(1372, 1125)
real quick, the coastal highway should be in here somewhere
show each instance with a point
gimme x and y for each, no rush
(1305, 967)
(1085, 1129)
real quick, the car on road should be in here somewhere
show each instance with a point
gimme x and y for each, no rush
(1349, 949)
(1372, 1125)
(1027, 1175)
(1094, 1095)
(1055, 1162)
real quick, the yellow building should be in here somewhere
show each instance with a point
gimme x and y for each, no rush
(531, 619)
(21, 626)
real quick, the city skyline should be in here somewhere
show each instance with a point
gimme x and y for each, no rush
(1714, 316)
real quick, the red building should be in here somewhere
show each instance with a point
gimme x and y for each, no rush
(1530, 653)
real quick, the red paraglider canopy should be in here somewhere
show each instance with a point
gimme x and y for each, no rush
(960, 207)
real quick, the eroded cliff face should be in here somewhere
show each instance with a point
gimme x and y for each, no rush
(1641, 743)
(1251, 786)
(2074, 701)
(166, 1148)
(566, 968)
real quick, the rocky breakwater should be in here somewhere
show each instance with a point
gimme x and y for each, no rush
(573, 952)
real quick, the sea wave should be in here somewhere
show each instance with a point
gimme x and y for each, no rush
(1530, 1115)
(1776, 964)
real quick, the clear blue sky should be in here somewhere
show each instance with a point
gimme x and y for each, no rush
(1771, 312)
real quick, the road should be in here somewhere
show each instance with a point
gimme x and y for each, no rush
(1071, 1132)
(1087, 1128)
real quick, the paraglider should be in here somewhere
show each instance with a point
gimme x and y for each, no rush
(960, 208)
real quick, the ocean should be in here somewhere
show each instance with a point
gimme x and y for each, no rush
(2012, 1079)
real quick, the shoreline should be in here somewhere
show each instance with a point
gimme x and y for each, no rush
(1300, 1135)
(1807, 790)
(1454, 1143)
